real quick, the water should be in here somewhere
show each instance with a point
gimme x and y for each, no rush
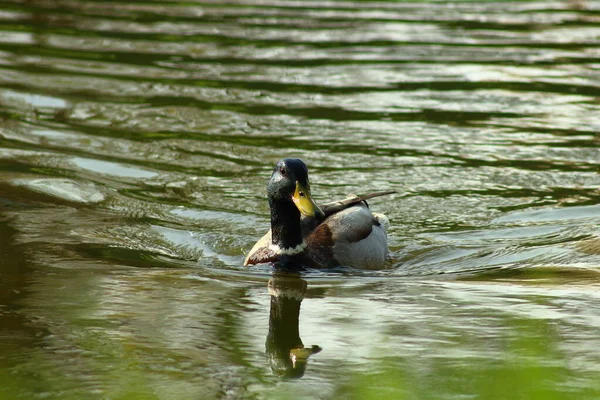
(135, 144)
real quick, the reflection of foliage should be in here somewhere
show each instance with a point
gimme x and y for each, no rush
(125, 383)
(531, 369)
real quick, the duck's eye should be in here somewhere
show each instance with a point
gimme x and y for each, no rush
(301, 194)
(282, 171)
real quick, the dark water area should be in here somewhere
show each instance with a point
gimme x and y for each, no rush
(136, 140)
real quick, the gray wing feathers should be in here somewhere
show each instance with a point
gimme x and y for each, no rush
(359, 238)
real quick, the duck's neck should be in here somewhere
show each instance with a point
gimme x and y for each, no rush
(285, 227)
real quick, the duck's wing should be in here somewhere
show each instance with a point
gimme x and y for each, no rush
(308, 224)
(353, 237)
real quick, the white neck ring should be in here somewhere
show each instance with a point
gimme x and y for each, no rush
(287, 251)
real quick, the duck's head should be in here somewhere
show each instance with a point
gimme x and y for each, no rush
(289, 183)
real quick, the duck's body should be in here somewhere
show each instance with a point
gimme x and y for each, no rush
(341, 233)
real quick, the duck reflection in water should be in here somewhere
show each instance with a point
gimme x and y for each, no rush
(286, 354)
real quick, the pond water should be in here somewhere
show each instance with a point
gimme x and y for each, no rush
(136, 140)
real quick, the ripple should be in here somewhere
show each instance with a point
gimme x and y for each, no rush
(64, 189)
(111, 168)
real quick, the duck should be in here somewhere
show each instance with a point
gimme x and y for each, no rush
(339, 233)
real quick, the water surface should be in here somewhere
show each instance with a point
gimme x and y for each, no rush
(136, 141)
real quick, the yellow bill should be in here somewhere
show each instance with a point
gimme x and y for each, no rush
(304, 201)
(299, 355)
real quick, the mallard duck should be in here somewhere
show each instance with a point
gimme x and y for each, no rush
(342, 233)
